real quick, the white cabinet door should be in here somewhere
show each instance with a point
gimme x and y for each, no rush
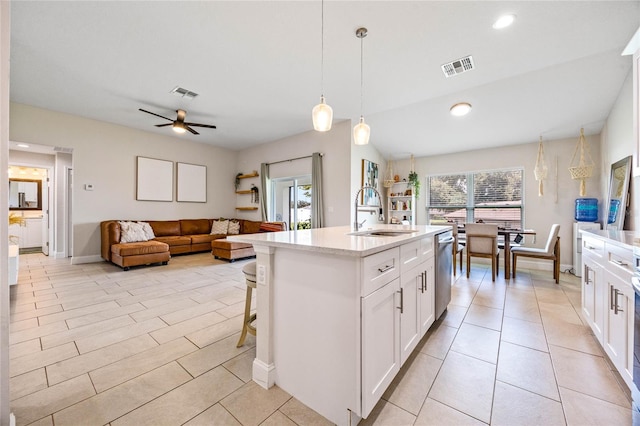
(32, 233)
(411, 284)
(380, 343)
(593, 303)
(618, 333)
(427, 298)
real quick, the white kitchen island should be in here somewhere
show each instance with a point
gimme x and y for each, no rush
(338, 313)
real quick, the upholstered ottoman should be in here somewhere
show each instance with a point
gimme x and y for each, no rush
(231, 250)
(126, 255)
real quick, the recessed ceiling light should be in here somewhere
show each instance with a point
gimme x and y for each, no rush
(23, 145)
(460, 109)
(504, 21)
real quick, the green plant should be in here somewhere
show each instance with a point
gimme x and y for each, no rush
(415, 182)
(238, 180)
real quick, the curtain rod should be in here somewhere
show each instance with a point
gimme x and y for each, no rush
(293, 159)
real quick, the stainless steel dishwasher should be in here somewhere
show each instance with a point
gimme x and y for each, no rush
(444, 245)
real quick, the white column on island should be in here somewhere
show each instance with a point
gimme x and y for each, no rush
(263, 365)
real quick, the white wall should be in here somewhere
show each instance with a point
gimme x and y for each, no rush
(105, 155)
(5, 37)
(335, 145)
(359, 153)
(618, 143)
(540, 212)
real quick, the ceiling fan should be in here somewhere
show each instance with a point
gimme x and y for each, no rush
(179, 125)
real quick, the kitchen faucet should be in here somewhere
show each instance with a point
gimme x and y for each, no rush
(357, 225)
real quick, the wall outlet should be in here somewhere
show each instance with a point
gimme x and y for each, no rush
(88, 187)
(262, 275)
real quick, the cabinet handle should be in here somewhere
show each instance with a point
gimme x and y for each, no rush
(401, 300)
(587, 279)
(425, 280)
(590, 247)
(619, 262)
(385, 269)
(616, 307)
(421, 282)
(611, 297)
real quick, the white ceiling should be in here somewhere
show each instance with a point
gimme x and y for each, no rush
(256, 67)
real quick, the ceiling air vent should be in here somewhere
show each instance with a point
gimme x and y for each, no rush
(458, 66)
(184, 92)
(62, 149)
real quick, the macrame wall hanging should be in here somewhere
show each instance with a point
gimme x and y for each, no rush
(388, 175)
(540, 171)
(584, 168)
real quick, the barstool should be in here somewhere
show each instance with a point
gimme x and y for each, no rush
(249, 271)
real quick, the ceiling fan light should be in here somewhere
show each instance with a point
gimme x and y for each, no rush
(361, 132)
(322, 115)
(179, 128)
(460, 109)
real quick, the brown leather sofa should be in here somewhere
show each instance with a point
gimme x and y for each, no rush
(171, 237)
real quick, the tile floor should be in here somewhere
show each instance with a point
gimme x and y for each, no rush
(94, 345)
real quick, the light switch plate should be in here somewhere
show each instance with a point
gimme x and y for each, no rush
(88, 187)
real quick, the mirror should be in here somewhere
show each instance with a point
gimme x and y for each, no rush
(618, 199)
(25, 194)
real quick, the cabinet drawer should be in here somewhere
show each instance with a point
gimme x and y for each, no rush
(592, 246)
(379, 269)
(619, 261)
(426, 248)
(410, 256)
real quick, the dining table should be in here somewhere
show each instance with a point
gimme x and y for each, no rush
(507, 233)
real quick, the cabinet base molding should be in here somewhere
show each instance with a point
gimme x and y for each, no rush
(264, 374)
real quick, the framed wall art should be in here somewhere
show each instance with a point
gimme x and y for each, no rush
(191, 183)
(370, 177)
(154, 180)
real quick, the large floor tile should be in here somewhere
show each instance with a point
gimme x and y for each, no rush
(107, 406)
(572, 367)
(438, 340)
(251, 404)
(434, 413)
(524, 333)
(215, 354)
(41, 359)
(527, 369)
(28, 383)
(184, 402)
(582, 410)
(410, 387)
(385, 413)
(478, 342)
(484, 317)
(300, 414)
(466, 384)
(215, 415)
(515, 406)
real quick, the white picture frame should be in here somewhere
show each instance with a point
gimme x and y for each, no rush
(191, 183)
(154, 179)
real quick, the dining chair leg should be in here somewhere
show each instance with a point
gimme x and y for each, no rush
(513, 264)
(468, 264)
(454, 264)
(460, 262)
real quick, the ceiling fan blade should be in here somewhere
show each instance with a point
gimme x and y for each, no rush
(164, 125)
(153, 113)
(191, 130)
(209, 126)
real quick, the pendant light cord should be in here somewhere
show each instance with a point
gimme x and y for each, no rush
(361, 73)
(322, 51)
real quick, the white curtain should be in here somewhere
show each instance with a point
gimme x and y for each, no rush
(317, 203)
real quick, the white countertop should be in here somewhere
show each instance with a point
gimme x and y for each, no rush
(627, 239)
(336, 240)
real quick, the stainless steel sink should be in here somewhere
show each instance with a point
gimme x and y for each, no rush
(383, 232)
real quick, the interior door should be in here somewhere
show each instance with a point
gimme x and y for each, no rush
(45, 212)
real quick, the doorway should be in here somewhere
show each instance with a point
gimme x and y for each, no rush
(291, 201)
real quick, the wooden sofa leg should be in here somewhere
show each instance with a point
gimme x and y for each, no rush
(126, 268)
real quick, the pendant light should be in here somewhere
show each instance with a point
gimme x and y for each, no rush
(322, 113)
(361, 131)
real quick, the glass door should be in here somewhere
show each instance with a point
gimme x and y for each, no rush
(292, 201)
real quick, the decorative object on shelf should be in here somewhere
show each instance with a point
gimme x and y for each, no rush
(238, 180)
(413, 178)
(255, 195)
(15, 219)
(370, 178)
(389, 179)
(322, 113)
(584, 168)
(361, 131)
(540, 171)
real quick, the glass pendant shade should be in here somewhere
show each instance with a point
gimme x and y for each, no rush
(322, 115)
(361, 133)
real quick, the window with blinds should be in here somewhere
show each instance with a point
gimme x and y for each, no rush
(494, 196)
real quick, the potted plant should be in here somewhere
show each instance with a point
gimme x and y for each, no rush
(414, 181)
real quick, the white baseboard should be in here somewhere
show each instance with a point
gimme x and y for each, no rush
(59, 255)
(78, 260)
(12, 419)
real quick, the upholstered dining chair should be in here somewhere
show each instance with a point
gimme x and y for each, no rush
(482, 241)
(550, 251)
(458, 248)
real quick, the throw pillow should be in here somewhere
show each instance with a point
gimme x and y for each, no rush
(219, 227)
(131, 232)
(148, 230)
(234, 227)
